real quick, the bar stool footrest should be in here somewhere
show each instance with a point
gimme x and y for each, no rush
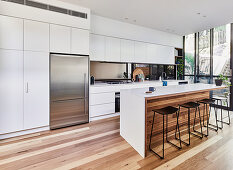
(224, 122)
(178, 147)
(197, 134)
(156, 154)
(185, 143)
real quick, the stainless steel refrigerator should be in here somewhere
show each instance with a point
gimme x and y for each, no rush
(69, 90)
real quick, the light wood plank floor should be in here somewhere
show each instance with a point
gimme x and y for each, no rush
(98, 145)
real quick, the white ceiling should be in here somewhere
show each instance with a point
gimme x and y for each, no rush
(175, 16)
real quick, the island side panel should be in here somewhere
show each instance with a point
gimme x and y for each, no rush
(170, 100)
(132, 120)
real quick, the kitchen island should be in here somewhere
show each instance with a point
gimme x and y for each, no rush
(136, 111)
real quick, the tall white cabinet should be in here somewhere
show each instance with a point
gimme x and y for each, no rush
(11, 91)
(36, 89)
(11, 33)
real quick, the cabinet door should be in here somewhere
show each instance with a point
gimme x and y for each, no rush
(165, 54)
(36, 36)
(36, 89)
(97, 47)
(80, 41)
(151, 54)
(11, 90)
(113, 49)
(127, 51)
(11, 33)
(140, 52)
(60, 39)
(169, 54)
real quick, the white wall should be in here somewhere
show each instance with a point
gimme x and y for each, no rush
(109, 27)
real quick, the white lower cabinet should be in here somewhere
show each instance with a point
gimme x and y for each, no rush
(101, 110)
(102, 98)
(36, 89)
(11, 91)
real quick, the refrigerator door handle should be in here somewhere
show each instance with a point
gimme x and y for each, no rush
(27, 87)
(85, 93)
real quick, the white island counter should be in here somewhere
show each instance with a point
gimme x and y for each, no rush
(136, 109)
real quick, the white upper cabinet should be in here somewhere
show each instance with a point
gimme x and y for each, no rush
(11, 33)
(11, 90)
(80, 41)
(113, 49)
(159, 54)
(36, 89)
(97, 47)
(60, 39)
(152, 54)
(36, 36)
(165, 54)
(140, 52)
(127, 51)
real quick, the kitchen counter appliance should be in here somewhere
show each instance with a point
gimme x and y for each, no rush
(69, 90)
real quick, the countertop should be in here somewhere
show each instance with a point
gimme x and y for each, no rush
(135, 83)
(173, 89)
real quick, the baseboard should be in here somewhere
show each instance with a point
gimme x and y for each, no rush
(25, 132)
(104, 116)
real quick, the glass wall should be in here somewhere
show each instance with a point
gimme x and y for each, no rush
(204, 52)
(221, 51)
(189, 54)
(211, 52)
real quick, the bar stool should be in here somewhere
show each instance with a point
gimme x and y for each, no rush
(222, 99)
(165, 111)
(192, 105)
(209, 102)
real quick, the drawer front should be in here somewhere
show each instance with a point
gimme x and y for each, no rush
(102, 98)
(100, 110)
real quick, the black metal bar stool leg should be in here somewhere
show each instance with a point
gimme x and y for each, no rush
(212, 126)
(228, 115)
(178, 147)
(151, 134)
(201, 133)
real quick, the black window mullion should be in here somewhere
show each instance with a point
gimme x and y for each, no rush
(211, 54)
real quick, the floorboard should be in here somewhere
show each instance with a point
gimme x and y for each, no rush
(98, 145)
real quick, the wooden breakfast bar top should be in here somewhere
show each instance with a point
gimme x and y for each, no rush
(136, 110)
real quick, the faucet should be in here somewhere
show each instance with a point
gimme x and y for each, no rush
(163, 77)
